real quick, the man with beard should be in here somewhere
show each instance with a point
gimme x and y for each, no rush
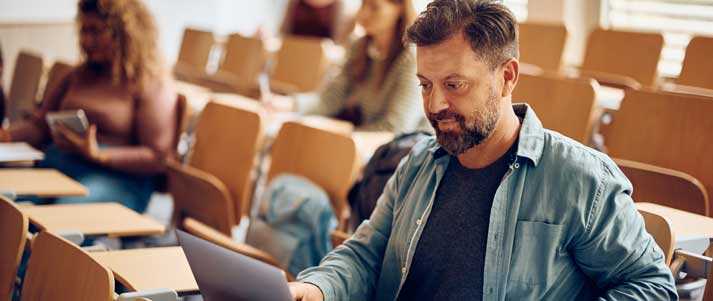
(496, 207)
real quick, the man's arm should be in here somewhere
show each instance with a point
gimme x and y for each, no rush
(350, 271)
(617, 252)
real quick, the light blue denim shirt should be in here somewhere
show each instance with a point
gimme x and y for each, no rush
(562, 227)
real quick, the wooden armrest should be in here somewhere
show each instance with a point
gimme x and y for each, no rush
(613, 80)
(677, 88)
(283, 88)
(152, 295)
(338, 237)
(692, 264)
(204, 231)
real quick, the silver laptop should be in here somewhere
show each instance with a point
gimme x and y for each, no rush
(223, 274)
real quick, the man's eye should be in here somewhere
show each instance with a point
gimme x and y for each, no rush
(424, 85)
(455, 85)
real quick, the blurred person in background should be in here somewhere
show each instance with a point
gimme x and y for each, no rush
(129, 100)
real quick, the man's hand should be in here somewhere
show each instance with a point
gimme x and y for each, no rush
(305, 292)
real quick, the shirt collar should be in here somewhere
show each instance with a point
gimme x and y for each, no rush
(532, 136)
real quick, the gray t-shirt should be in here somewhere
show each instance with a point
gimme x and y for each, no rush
(449, 260)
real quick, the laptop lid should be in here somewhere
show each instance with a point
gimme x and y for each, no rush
(223, 274)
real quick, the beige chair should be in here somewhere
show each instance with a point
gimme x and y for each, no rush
(200, 195)
(697, 268)
(244, 58)
(57, 73)
(697, 69)
(13, 234)
(623, 58)
(328, 159)
(564, 105)
(60, 270)
(666, 187)
(23, 88)
(300, 65)
(208, 233)
(660, 228)
(667, 130)
(194, 53)
(542, 44)
(227, 138)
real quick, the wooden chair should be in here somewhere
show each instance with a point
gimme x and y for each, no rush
(615, 57)
(227, 138)
(60, 270)
(665, 129)
(660, 228)
(542, 44)
(243, 60)
(209, 233)
(697, 67)
(200, 195)
(697, 267)
(564, 105)
(328, 159)
(13, 233)
(23, 88)
(194, 53)
(666, 187)
(300, 66)
(55, 76)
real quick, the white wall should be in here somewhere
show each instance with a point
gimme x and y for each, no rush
(46, 26)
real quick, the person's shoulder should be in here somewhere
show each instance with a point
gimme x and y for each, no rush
(564, 155)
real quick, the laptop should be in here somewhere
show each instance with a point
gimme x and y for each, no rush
(223, 274)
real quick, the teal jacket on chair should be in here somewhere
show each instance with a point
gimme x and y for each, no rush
(562, 227)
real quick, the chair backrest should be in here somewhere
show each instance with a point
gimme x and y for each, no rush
(58, 72)
(629, 53)
(697, 67)
(302, 62)
(60, 270)
(23, 88)
(244, 58)
(210, 234)
(328, 159)
(227, 138)
(195, 48)
(665, 129)
(565, 105)
(659, 227)
(13, 233)
(666, 187)
(201, 196)
(542, 44)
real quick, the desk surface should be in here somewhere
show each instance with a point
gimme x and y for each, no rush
(39, 182)
(683, 223)
(149, 269)
(111, 219)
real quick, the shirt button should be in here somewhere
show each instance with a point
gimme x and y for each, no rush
(490, 290)
(517, 165)
(418, 222)
(403, 270)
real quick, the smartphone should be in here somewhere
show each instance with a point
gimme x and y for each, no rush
(74, 120)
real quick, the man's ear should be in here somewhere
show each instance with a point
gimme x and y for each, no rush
(511, 73)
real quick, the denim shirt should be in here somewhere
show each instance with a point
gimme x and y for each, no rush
(562, 227)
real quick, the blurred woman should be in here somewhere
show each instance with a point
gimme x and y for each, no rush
(377, 87)
(318, 18)
(129, 100)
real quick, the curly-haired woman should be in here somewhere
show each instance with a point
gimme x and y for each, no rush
(129, 100)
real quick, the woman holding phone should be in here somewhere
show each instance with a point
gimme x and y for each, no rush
(129, 101)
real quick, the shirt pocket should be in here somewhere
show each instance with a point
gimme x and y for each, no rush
(538, 255)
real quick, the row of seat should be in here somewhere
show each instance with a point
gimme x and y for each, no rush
(620, 57)
(242, 59)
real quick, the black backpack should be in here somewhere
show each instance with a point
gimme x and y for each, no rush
(365, 193)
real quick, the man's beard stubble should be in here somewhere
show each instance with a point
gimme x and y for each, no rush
(473, 130)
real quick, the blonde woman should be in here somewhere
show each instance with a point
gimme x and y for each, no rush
(128, 98)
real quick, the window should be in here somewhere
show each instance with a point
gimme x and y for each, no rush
(678, 20)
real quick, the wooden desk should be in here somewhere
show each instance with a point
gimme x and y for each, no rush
(43, 183)
(149, 269)
(684, 224)
(110, 219)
